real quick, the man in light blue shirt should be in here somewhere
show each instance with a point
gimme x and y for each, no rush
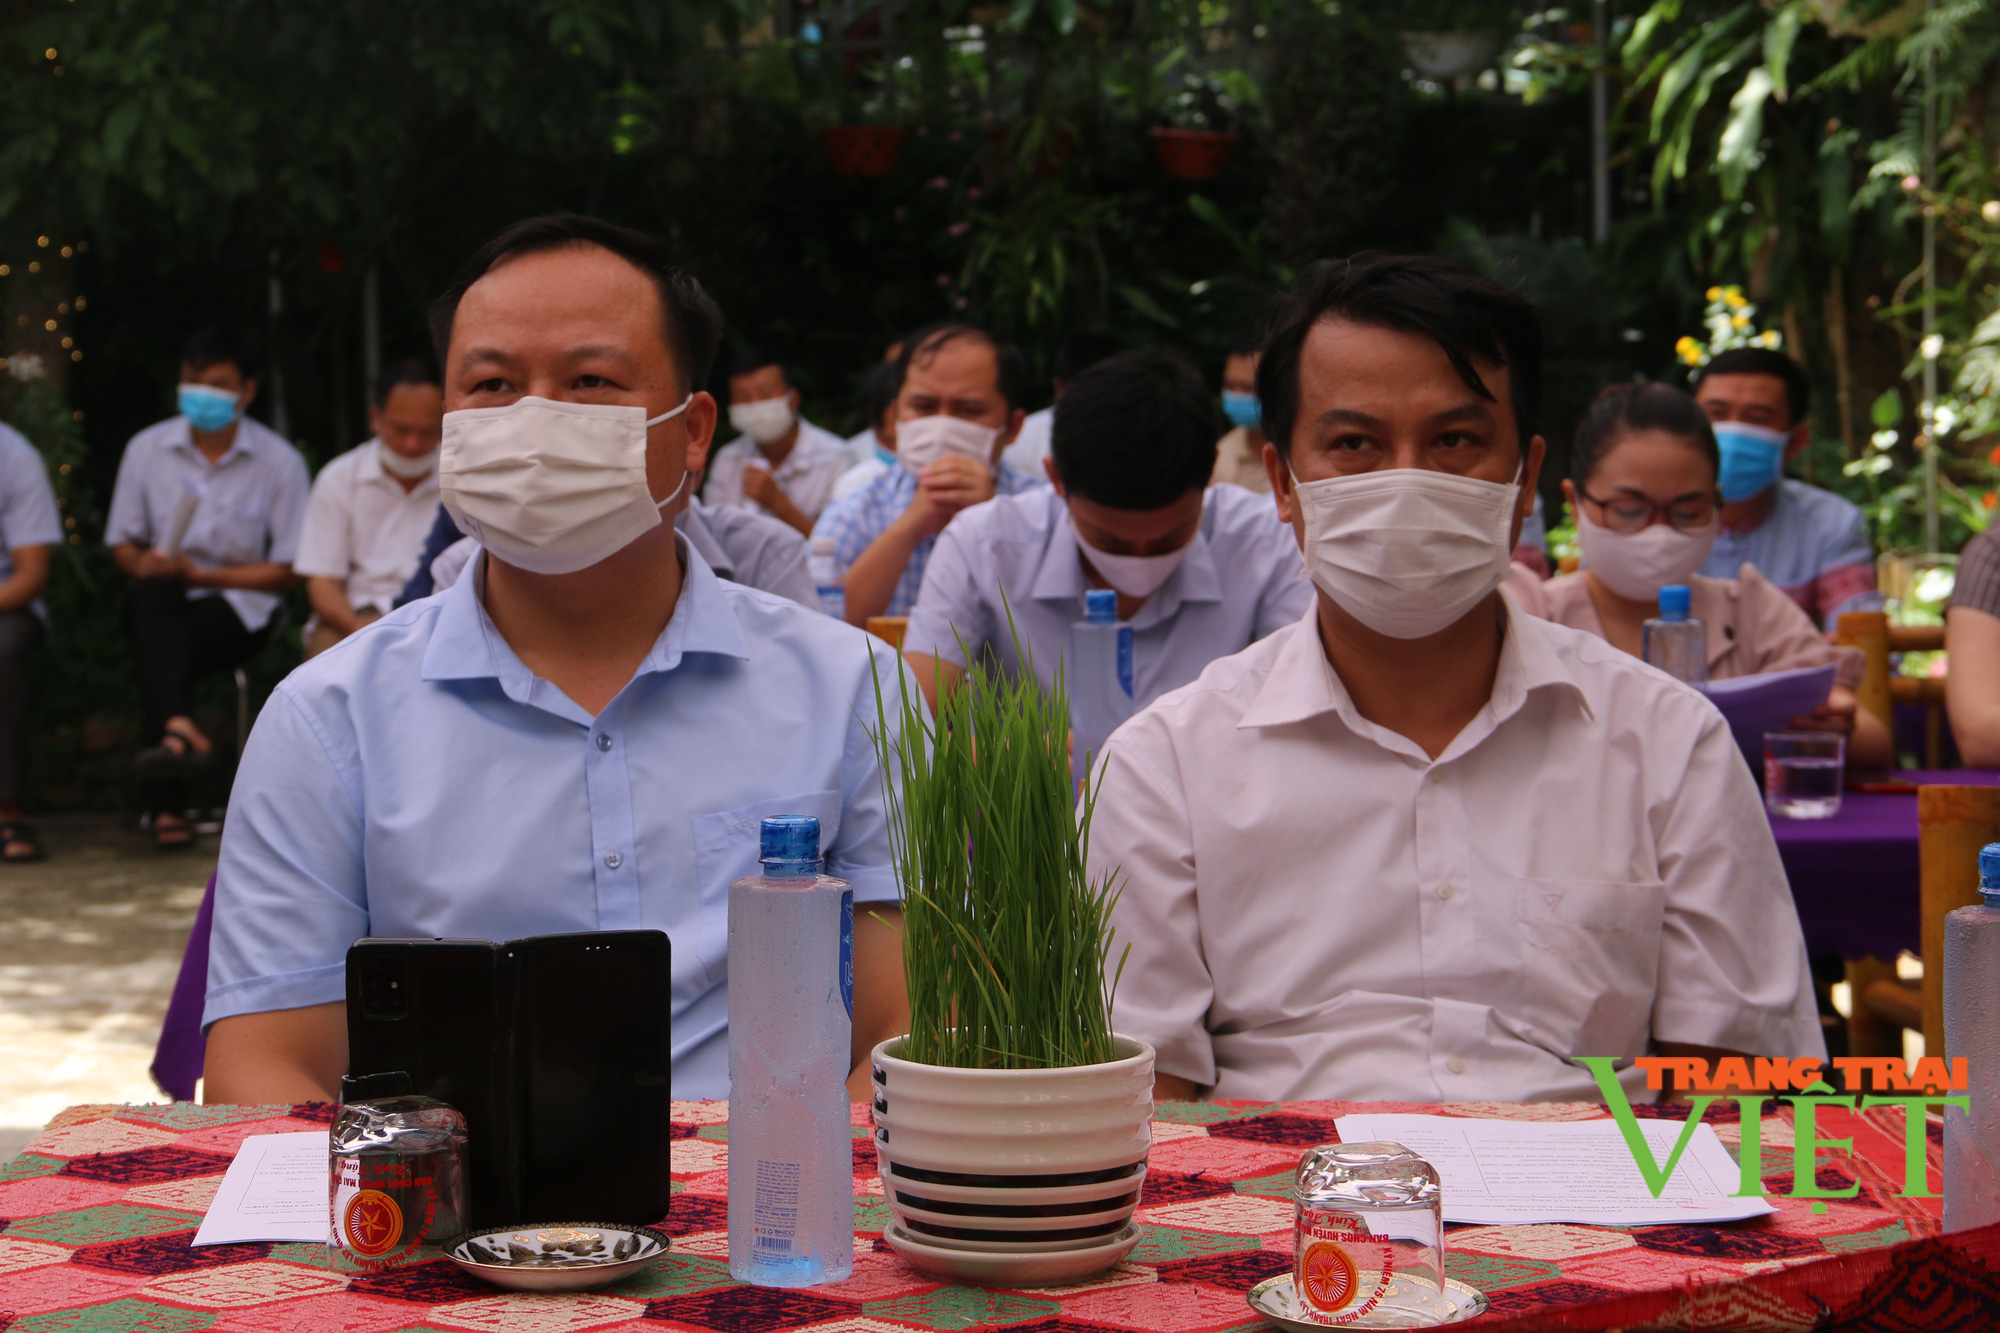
(1200, 574)
(29, 526)
(205, 518)
(581, 734)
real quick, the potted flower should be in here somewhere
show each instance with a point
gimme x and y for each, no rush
(1011, 1123)
(1449, 40)
(1198, 142)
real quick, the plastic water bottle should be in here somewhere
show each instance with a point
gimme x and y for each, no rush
(1675, 642)
(1100, 678)
(832, 592)
(791, 1010)
(1972, 1031)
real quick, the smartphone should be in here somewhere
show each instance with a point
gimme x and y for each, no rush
(591, 1014)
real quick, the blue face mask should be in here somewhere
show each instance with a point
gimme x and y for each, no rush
(1752, 459)
(207, 407)
(1242, 409)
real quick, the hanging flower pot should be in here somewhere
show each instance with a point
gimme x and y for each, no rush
(862, 150)
(1444, 57)
(1193, 155)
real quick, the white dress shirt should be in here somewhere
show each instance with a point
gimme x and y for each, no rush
(363, 528)
(249, 503)
(817, 459)
(28, 512)
(1316, 909)
(1031, 447)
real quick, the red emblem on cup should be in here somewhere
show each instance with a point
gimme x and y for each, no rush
(1327, 1277)
(373, 1223)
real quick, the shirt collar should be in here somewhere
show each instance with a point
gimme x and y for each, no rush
(1302, 684)
(1059, 576)
(465, 644)
(694, 526)
(238, 446)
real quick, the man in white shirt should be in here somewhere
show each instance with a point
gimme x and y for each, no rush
(205, 519)
(371, 509)
(30, 524)
(1079, 352)
(780, 464)
(1199, 575)
(1415, 848)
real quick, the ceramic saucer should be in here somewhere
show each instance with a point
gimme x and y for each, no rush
(566, 1256)
(1276, 1301)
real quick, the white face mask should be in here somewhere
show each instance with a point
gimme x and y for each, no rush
(1407, 551)
(551, 487)
(1134, 575)
(1636, 565)
(763, 421)
(921, 441)
(410, 469)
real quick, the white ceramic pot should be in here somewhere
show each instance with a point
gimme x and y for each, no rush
(1029, 1162)
(1445, 56)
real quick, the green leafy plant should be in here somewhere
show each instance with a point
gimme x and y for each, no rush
(1006, 938)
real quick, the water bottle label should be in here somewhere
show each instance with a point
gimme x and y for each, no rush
(1125, 660)
(847, 951)
(775, 1214)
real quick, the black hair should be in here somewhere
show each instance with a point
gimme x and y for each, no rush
(213, 344)
(694, 321)
(1625, 408)
(1465, 314)
(1248, 343)
(1764, 361)
(1012, 366)
(879, 388)
(1079, 352)
(407, 371)
(748, 359)
(1137, 431)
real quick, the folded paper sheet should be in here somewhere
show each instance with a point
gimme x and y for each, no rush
(1754, 705)
(275, 1189)
(1500, 1172)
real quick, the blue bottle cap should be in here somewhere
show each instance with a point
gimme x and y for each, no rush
(1675, 601)
(789, 838)
(1100, 606)
(1989, 869)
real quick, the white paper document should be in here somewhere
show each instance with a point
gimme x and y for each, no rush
(276, 1189)
(1754, 705)
(1503, 1171)
(183, 518)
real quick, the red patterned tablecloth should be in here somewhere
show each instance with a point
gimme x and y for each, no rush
(96, 1215)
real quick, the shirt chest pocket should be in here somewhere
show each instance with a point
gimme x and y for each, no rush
(1590, 952)
(725, 850)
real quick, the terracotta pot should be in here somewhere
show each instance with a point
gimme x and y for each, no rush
(994, 1175)
(862, 150)
(1193, 155)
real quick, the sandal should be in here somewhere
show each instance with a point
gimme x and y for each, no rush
(171, 833)
(14, 831)
(172, 758)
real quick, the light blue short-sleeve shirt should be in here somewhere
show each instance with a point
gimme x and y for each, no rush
(418, 780)
(854, 522)
(1239, 581)
(28, 514)
(248, 505)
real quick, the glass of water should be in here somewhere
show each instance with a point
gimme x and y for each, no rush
(1369, 1238)
(1802, 772)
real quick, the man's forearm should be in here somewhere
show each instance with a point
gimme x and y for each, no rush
(126, 556)
(791, 515)
(19, 590)
(264, 576)
(330, 604)
(872, 578)
(276, 1057)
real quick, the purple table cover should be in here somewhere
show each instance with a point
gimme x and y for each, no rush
(178, 1058)
(1854, 876)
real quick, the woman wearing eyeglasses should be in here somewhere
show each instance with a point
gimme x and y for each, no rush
(1643, 488)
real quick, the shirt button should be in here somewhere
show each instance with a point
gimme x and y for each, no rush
(603, 741)
(1436, 777)
(1455, 1065)
(613, 860)
(1445, 892)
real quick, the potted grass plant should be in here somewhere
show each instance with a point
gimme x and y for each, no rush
(1011, 1123)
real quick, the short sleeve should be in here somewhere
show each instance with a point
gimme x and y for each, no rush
(781, 566)
(324, 549)
(288, 509)
(128, 520)
(949, 604)
(1977, 587)
(290, 892)
(843, 521)
(1140, 831)
(28, 514)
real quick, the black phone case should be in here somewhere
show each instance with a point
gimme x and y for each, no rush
(557, 1050)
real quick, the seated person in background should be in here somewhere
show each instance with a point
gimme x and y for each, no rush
(584, 734)
(1416, 847)
(1972, 644)
(1077, 353)
(29, 526)
(1199, 574)
(1809, 542)
(780, 464)
(371, 509)
(957, 410)
(1239, 454)
(444, 534)
(1642, 487)
(1532, 550)
(205, 518)
(878, 401)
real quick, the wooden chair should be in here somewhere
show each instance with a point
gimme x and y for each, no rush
(1879, 691)
(889, 629)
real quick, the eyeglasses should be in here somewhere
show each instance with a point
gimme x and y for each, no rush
(1633, 513)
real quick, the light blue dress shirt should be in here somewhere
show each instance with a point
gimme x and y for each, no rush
(252, 503)
(855, 521)
(28, 514)
(1239, 581)
(418, 780)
